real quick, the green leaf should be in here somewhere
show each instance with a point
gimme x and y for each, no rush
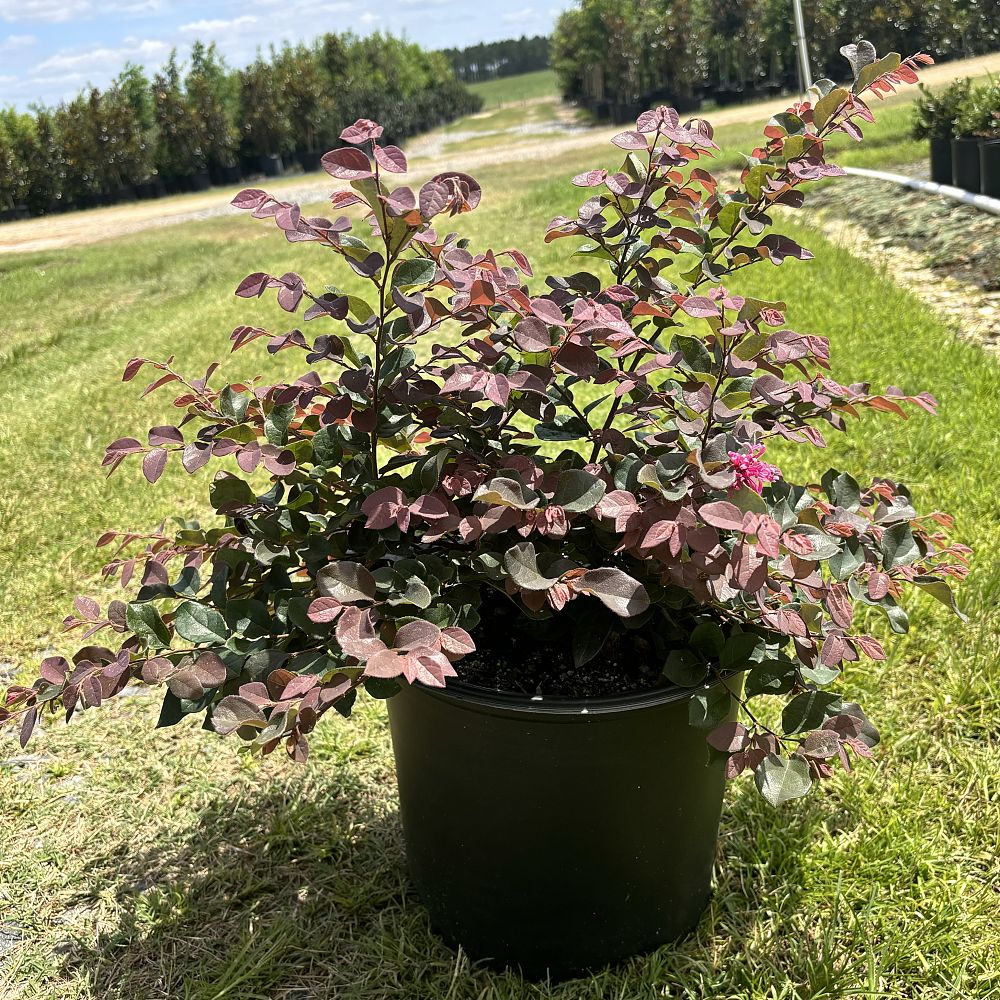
(791, 123)
(770, 677)
(578, 491)
(590, 632)
(708, 709)
(413, 272)
(824, 546)
(899, 620)
(940, 591)
(198, 623)
(414, 592)
(346, 581)
(871, 72)
(741, 649)
(563, 427)
(780, 780)
(227, 491)
(327, 449)
(827, 106)
(381, 687)
(809, 710)
(684, 668)
(899, 547)
(820, 674)
(726, 219)
(145, 621)
(846, 561)
(234, 404)
(709, 640)
(521, 564)
(693, 351)
(505, 492)
(276, 423)
(842, 489)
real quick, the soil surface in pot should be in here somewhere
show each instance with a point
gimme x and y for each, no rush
(521, 656)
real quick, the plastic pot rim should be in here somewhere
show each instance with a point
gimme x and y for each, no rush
(559, 708)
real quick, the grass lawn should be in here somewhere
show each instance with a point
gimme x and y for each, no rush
(515, 89)
(143, 865)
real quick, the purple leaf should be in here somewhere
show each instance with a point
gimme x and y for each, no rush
(250, 198)
(253, 285)
(153, 464)
(391, 158)
(347, 164)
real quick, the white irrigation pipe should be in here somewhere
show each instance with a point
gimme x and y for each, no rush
(980, 201)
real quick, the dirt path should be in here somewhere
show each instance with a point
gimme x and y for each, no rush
(81, 228)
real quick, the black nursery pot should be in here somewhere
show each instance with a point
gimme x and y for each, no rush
(201, 180)
(941, 161)
(965, 163)
(989, 167)
(271, 165)
(556, 835)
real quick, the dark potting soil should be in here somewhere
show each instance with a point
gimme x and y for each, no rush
(521, 656)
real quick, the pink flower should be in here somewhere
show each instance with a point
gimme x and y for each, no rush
(361, 131)
(751, 471)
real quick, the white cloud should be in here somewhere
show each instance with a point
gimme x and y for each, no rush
(513, 16)
(102, 58)
(369, 18)
(218, 24)
(12, 42)
(61, 11)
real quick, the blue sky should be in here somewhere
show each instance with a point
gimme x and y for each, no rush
(50, 49)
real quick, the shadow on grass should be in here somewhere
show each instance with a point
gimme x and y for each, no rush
(297, 895)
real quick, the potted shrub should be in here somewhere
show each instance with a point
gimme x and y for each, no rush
(541, 523)
(974, 119)
(211, 91)
(266, 133)
(935, 117)
(980, 120)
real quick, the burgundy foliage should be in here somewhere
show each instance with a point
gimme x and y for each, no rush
(593, 447)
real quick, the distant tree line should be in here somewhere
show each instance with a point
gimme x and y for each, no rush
(616, 56)
(492, 60)
(193, 124)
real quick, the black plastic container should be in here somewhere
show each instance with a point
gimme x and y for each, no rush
(200, 180)
(941, 161)
(556, 835)
(989, 167)
(310, 160)
(223, 176)
(965, 163)
(271, 165)
(151, 188)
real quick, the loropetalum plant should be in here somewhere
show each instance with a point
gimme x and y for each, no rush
(594, 450)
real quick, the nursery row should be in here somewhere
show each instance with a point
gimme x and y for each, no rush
(962, 124)
(191, 125)
(495, 60)
(619, 56)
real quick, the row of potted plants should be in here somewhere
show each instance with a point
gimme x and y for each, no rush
(532, 511)
(962, 125)
(611, 55)
(202, 123)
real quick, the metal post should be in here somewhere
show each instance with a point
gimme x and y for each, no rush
(800, 36)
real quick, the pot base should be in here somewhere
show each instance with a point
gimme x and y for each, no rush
(553, 838)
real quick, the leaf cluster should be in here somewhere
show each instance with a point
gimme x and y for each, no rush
(457, 438)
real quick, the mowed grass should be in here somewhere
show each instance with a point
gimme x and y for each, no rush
(517, 89)
(140, 864)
